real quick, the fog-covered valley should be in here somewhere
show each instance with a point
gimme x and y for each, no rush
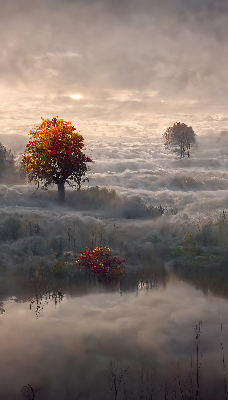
(140, 196)
(167, 217)
(148, 318)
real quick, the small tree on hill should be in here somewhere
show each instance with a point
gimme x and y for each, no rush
(55, 155)
(180, 136)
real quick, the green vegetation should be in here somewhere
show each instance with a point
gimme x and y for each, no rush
(10, 172)
(202, 257)
(6, 159)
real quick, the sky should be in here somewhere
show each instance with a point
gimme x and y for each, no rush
(99, 61)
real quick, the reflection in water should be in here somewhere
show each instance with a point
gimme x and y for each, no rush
(41, 299)
(1, 310)
(141, 279)
(27, 392)
(101, 345)
(209, 279)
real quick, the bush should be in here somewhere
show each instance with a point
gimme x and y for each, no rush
(11, 228)
(101, 262)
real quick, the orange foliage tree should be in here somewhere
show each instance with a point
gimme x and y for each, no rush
(55, 155)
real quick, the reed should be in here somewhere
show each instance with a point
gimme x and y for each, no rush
(116, 378)
(197, 329)
(223, 359)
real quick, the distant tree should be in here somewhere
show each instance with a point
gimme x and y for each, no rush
(55, 155)
(6, 159)
(7, 162)
(180, 136)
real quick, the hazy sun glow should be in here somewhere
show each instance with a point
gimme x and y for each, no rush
(76, 96)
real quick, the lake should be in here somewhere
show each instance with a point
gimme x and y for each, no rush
(105, 343)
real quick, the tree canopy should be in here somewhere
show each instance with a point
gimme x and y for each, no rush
(55, 155)
(180, 136)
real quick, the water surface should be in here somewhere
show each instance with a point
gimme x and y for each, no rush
(67, 351)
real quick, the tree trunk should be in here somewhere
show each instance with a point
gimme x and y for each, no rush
(61, 191)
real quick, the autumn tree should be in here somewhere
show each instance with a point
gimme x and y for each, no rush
(55, 155)
(101, 262)
(180, 136)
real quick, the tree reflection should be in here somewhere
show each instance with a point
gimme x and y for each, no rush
(209, 280)
(42, 299)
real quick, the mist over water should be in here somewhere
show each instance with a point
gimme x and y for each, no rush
(67, 351)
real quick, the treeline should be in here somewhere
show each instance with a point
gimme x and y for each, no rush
(10, 169)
